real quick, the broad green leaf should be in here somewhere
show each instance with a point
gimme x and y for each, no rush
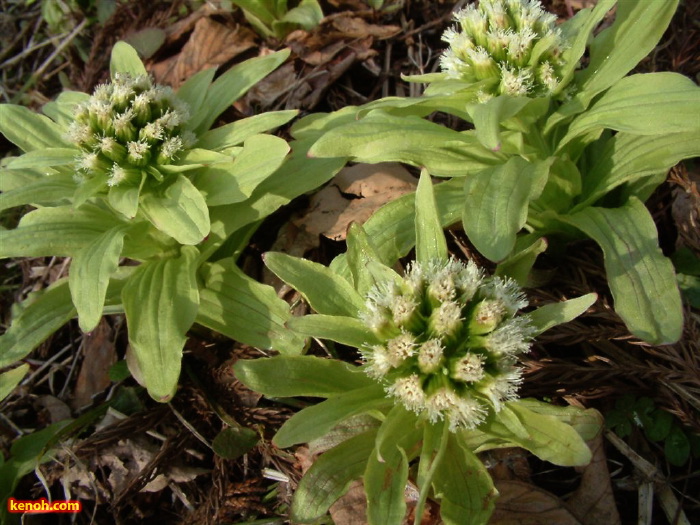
(463, 486)
(563, 186)
(194, 91)
(146, 41)
(180, 211)
(47, 190)
(550, 315)
(638, 27)
(587, 422)
(160, 301)
(89, 276)
(629, 157)
(125, 59)
(243, 309)
(10, 379)
(677, 447)
(17, 179)
(487, 118)
(496, 204)
(307, 14)
(233, 84)
(236, 132)
(520, 263)
(577, 31)
(317, 420)
(62, 110)
(288, 376)
(380, 137)
(296, 176)
(643, 104)
(361, 252)
(42, 316)
(44, 158)
(386, 475)
(325, 291)
(233, 442)
(30, 131)
(330, 476)
(548, 437)
(125, 197)
(59, 231)
(430, 240)
(345, 330)
(89, 188)
(262, 155)
(641, 279)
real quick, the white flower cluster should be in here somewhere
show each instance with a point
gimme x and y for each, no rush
(128, 125)
(511, 47)
(450, 341)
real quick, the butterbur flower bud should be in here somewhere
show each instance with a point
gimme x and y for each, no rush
(457, 358)
(510, 47)
(129, 127)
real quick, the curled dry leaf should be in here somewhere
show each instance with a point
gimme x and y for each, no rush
(99, 355)
(211, 44)
(353, 195)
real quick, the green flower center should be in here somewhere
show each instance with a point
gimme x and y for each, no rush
(450, 341)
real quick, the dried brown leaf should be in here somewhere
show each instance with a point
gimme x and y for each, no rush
(524, 504)
(99, 355)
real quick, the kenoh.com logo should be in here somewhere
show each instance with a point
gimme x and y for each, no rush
(43, 505)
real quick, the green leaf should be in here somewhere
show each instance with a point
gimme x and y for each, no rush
(30, 131)
(629, 157)
(48, 190)
(658, 425)
(641, 279)
(487, 118)
(496, 204)
(194, 91)
(243, 309)
(330, 476)
(125, 59)
(550, 315)
(588, 423)
(430, 240)
(233, 442)
(288, 376)
(10, 379)
(233, 84)
(236, 132)
(315, 421)
(307, 14)
(677, 447)
(62, 110)
(518, 265)
(643, 104)
(59, 231)
(89, 276)
(44, 158)
(577, 31)
(40, 317)
(638, 27)
(464, 486)
(146, 41)
(344, 330)
(361, 252)
(180, 211)
(380, 137)
(160, 301)
(223, 184)
(548, 437)
(325, 291)
(386, 473)
(125, 197)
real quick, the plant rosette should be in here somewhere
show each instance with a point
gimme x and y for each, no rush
(134, 174)
(437, 385)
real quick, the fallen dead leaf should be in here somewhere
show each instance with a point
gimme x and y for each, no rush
(369, 186)
(210, 45)
(99, 355)
(525, 504)
(593, 503)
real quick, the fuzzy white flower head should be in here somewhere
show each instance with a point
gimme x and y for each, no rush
(502, 44)
(454, 357)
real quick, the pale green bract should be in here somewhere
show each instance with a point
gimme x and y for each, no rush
(153, 207)
(438, 382)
